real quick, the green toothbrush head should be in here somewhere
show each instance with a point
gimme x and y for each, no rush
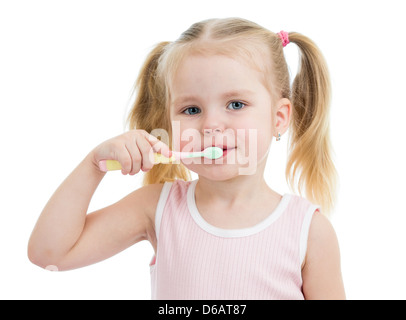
(213, 152)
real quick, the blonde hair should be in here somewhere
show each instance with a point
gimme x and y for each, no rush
(310, 164)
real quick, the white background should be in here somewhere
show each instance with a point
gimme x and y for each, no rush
(66, 71)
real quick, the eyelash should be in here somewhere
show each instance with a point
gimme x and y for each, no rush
(243, 106)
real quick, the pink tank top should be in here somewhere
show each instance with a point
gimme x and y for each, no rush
(196, 260)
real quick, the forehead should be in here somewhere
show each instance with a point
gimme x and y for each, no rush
(217, 73)
(250, 52)
(213, 73)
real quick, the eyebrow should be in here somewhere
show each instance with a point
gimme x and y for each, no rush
(227, 95)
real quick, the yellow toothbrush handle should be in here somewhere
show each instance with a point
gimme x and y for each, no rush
(110, 165)
(159, 158)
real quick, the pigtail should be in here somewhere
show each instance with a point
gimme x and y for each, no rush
(149, 112)
(310, 158)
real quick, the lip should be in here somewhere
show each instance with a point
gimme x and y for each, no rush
(225, 151)
(224, 148)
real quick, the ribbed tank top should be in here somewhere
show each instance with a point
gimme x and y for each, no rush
(195, 260)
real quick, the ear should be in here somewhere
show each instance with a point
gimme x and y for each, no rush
(282, 116)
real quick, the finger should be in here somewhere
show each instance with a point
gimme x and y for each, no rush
(158, 145)
(130, 144)
(135, 157)
(124, 157)
(162, 148)
(147, 153)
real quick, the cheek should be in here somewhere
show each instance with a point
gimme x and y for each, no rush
(185, 138)
(255, 140)
(260, 128)
(253, 143)
(264, 140)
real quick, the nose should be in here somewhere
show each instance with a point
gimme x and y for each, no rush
(210, 131)
(212, 136)
(213, 123)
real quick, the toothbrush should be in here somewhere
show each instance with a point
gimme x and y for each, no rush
(209, 153)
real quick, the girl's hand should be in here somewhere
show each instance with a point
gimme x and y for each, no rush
(134, 150)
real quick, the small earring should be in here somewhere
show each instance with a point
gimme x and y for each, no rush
(278, 138)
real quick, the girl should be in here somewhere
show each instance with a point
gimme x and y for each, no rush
(227, 235)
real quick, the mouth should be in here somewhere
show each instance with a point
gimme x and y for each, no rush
(219, 146)
(226, 149)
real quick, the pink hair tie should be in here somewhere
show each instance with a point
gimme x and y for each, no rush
(284, 37)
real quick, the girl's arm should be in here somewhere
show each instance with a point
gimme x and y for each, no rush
(322, 279)
(66, 237)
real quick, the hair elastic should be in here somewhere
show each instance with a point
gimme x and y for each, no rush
(284, 37)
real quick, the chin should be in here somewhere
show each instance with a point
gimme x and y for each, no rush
(215, 172)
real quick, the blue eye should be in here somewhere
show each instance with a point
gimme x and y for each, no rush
(236, 105)
(192, 111)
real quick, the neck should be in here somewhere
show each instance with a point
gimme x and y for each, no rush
(242, 189)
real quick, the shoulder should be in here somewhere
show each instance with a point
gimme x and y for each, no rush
(150, 194)
(321, 228)
(141, 205)
(321, 269)
(148, 197)
(322, 239)
(153, 195)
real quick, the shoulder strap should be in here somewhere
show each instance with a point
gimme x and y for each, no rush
(161, 205)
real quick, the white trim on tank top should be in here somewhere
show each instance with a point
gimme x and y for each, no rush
(233, 233)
